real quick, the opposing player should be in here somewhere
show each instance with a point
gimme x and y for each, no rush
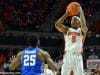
(31, 61)
(74, 38)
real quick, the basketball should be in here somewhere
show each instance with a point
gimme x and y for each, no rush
(73, 8)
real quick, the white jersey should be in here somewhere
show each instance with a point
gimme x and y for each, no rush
(73, 40)
(72, 59)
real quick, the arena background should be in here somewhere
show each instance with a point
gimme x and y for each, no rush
(21, 20)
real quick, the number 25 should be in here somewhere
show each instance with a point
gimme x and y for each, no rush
(29, 60)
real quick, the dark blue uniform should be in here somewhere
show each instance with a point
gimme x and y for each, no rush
(31, 64)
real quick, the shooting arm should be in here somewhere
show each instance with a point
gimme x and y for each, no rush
(59, 24)
(84, 28)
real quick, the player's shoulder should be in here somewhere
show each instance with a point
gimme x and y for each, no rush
(19, 54)
(43, 52)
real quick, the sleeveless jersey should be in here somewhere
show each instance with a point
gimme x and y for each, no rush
(73, 40)
(31, 64)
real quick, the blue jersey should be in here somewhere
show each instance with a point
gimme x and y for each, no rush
(31, 64)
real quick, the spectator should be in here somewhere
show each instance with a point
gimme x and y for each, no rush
(2, 60)
(8, 13)
(1, 27)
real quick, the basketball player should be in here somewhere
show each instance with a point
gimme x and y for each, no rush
(74, 38)
(31, 61)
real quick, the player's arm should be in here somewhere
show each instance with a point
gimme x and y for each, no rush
(50, 62)
(48, 59)
(59, 24)
(84, 28)
(15, 63)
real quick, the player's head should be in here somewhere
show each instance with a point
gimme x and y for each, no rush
(75, 22)
(34, 42)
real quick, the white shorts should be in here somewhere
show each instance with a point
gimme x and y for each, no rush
(72, 62)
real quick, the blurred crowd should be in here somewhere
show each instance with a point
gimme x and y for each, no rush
(25, 15)
(35, 15)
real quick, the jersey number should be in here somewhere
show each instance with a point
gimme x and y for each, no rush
(29, 60)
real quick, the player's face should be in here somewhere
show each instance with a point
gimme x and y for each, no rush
(75, 23)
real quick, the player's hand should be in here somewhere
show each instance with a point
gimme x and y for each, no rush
(11, 58)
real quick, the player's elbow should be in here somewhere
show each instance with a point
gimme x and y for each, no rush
(57, 24)
(86, 29)
(57, 27)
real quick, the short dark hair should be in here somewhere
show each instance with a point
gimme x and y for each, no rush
(32, 42)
